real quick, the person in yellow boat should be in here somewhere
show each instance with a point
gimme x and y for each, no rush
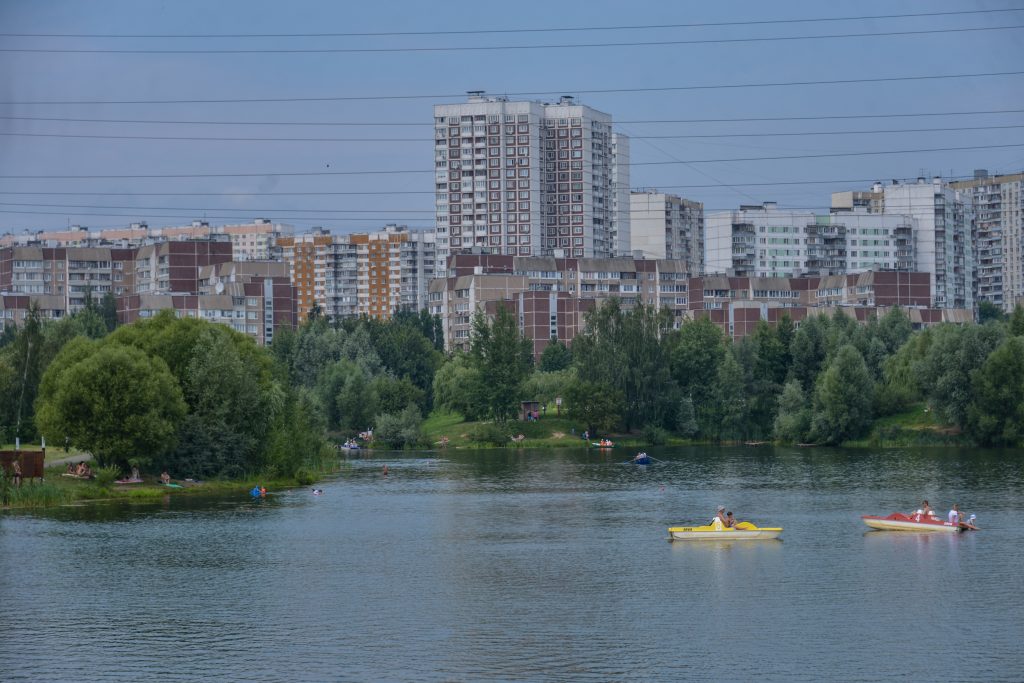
(730, 521)
(719, 519)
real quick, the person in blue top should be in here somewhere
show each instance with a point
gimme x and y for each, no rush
(255, 492)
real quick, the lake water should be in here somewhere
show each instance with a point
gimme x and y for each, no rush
(532, 566)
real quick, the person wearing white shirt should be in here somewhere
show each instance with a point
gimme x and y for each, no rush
(954, 515)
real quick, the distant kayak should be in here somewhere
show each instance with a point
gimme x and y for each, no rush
(173, 486)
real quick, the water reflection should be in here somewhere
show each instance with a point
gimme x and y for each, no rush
(531, 565)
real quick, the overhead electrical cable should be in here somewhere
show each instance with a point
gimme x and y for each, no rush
(257, 193)
(398, 172)
(820, 117)
(594, 91)
(202, 138)
(496, 48)
(635, 27)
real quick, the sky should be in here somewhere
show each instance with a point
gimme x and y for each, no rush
(363, 176)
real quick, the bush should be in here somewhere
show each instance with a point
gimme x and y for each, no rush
(304, 477)
(654, 435)
(105, 476)
(399, 430)
(490, 434)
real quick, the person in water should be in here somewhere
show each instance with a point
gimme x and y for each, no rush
(730, 521)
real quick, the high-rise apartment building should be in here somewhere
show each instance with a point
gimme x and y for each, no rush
(394, 266)
(998, 236)
(307, 257)
(372, 274)
(666, 226)
(529, 179)
(764, 241)
(942, 238)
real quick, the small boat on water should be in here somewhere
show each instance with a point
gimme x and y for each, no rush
(898, 521)
(602, 444)
(744, 531)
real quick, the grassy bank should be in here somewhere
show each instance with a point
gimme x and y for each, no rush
(917, 426)
(550, 431)
(58, 490)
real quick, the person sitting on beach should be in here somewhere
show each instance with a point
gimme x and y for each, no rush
(730, 521)
(135, 474)
(70, 468)
(80, 469)
(165, 478)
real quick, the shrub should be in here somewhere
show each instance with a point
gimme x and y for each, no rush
(490, 434)
(654, 435)
(399, 430)
(105, 476)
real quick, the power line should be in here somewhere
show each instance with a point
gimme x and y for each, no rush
(510, 30)
(212, 208)
(825, 155)
(425, 192)
(500, 48)
(598, 91)
(422, 123)
(197, 138)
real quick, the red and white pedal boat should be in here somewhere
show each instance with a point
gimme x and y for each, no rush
(898, 521)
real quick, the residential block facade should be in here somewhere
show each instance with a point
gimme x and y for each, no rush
(529, 179)
(666, 226)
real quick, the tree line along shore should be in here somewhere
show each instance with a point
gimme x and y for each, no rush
(204, 402)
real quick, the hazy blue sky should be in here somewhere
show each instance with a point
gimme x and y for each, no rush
(33, 77)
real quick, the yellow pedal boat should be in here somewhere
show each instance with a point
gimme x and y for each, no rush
(744, 531)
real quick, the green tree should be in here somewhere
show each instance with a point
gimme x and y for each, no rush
(842, 399)
(989, 312)
(555, 356)
(793, 421)
(459, 387)
(598, 406)
(395, 394)
(108, 311)
(115, 402)
(730, 402)
(698, 351)
(1017, 321)
(809, 350)
(296, 438)
(357, 403)
(629, 351)
(686, 420)
(953, 355)
(996, 414)
(400, 429)
(504, 359)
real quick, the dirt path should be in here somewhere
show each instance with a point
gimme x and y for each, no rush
(79, 457)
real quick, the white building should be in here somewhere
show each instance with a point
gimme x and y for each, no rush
(529, 179)
(942, 242)
(763, 241)
(998, 236)
(666, 226)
